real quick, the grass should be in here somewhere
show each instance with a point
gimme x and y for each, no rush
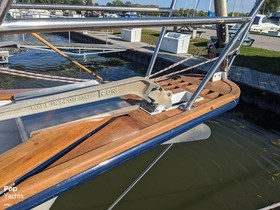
(267, 61)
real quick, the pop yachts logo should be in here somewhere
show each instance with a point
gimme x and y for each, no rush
(11, 193)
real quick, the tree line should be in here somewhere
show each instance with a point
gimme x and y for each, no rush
(129, 4)
(268, 7)
(81, 2)
(177, 13)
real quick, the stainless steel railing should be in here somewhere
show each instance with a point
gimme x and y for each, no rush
(74, 24)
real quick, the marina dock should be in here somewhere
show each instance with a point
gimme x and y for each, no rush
(79, 47)
(254, 84)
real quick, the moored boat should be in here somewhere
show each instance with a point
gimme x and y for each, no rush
(112, 140)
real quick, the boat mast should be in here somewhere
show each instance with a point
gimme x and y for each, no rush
(222, 29)
(233, 9)
(210, 4)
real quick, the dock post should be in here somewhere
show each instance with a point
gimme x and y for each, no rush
(107, 37)
(69, 36)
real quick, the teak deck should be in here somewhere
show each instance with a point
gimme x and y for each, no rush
(118, 135)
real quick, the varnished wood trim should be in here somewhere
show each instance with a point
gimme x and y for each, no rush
(8, 94)
(27, 156)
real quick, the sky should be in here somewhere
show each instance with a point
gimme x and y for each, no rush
(240, 5)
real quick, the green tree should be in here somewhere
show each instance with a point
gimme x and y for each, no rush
(53, 1)
(88, 2)
(117, 3)
(270, 6)
(128, 3)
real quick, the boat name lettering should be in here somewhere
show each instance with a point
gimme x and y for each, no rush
(108, 92)
(11, 193)
(61, 102)
(10, 189)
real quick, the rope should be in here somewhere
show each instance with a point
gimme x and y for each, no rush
(187, 69)
(41, 76)
(191, 67)
(178, 63)
(171, 66)
(139, 177)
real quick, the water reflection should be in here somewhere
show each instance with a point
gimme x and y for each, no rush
(53, 64)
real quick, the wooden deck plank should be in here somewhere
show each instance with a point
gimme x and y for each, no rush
(276, 80)
(119, 128)
(173, 112)
(190, 88)
(248, 77)
(27, 156)
(261, 81)
(243, 76)
(255, 79)
(199, 103)
(232, 74)
(212, 95)
(161, 116)
(165, 83)
(267, 83)
(8, 94)
(205, 91)
(218, 86)
(238, 75)
(170, 87)
(273, 84)
(143, 117)
(177, 90)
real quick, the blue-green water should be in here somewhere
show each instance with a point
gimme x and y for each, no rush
(51, 63)
(238, 167)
